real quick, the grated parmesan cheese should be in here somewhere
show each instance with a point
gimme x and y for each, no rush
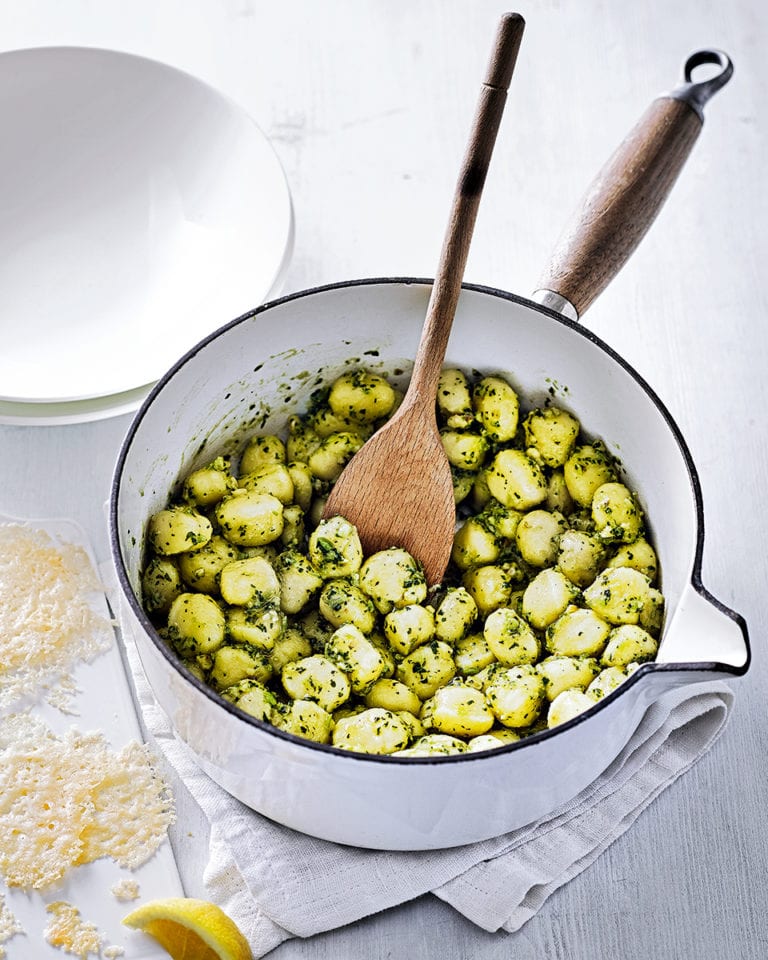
(125, 890)
(9, 926)
(47, 623)
(69, 800)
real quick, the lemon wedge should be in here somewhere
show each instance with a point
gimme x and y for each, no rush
(190, 929)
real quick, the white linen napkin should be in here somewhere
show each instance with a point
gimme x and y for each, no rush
(276, 883)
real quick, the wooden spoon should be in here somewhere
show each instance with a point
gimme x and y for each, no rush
(397, 489)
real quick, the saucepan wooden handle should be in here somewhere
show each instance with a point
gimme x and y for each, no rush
(629, 191)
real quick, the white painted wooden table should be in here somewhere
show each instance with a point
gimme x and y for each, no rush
(367, 103)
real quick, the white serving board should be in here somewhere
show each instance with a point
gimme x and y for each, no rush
(103, 702)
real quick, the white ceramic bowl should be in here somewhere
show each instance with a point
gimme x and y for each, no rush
(247, 377)
(138, 203)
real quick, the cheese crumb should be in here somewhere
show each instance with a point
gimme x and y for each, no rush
(125, 890)
(70, 933)
(69, 800)
(9, 926)
(61, 694)
(47, 621)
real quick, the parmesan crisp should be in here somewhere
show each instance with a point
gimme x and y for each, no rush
(47, 622)
(9, 926)
(69, 932)
(68, 800)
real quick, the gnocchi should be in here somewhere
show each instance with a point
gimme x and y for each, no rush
(550, 602)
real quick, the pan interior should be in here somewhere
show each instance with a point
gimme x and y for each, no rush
(248, 377)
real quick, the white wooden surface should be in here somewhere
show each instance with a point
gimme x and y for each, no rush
(368, 103)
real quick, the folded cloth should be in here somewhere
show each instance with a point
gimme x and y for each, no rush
(276, 883)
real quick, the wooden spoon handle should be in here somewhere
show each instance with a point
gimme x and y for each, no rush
(466, 200)
(627, 194)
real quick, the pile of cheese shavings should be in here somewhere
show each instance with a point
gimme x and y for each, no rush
(68, 800)
(9, 926)
(69, 932)
(47, 622)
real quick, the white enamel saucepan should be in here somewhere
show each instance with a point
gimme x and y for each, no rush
(250, 374)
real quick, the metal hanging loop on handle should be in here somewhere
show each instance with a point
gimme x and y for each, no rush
(696, 94)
